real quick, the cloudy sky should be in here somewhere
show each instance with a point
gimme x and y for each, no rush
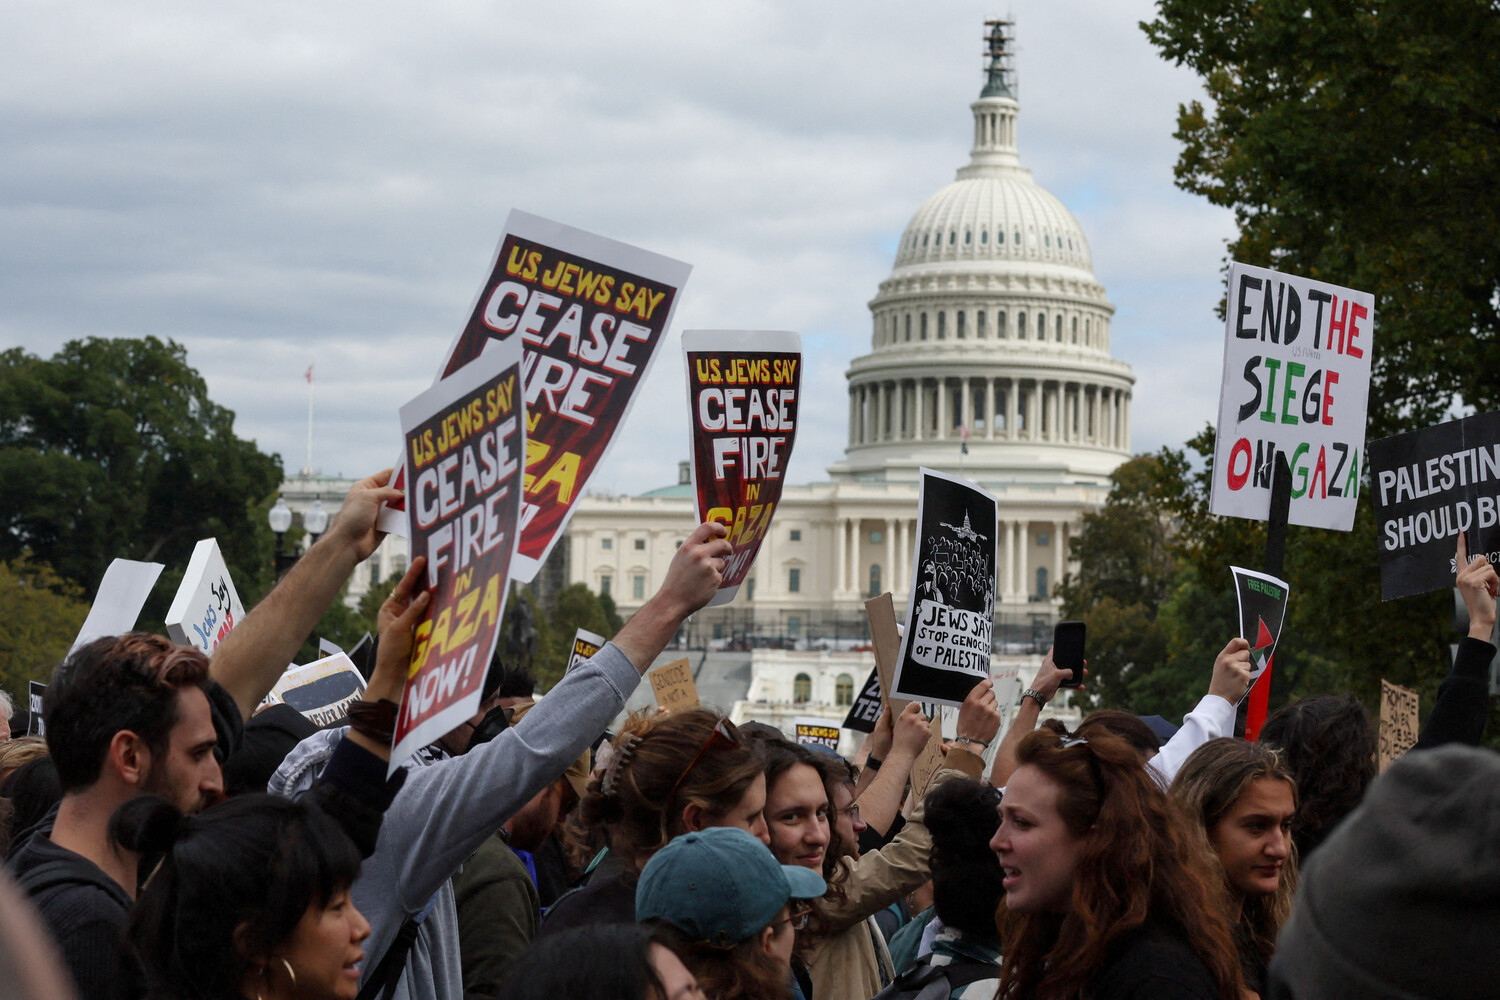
(274, 184)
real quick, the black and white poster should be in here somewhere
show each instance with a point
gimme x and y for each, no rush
(35, 725)
(945, 649)
(1262, 601)
(865, 713)
(1430, 485)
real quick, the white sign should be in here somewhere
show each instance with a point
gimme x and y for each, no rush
(122, 594)
(321, 690)
(1297, 358)
(206, 606)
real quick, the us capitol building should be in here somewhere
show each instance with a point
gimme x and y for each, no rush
(990, 359)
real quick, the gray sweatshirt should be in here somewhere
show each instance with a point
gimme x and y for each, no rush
(450, 805)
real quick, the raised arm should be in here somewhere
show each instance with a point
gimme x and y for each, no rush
(881, 801)
(1213, 716)
(256, 653)
(692, 580)
(1463, 699)
(1043, 689)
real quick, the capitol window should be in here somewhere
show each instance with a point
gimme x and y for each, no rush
(1000, 324)
(979, 322)
(968, 237)
(802, 685)
(924, 326)
(952, 237)
(1058, 327)
(984, 236)
(606, 544)
(960, 324)
(640, 545)
(796, 534)
(794, 580)
(908, 326)
(924, 239)
(605, 583)
(638, 587)
(874, 579)
(1021, 325)
(843, 691)
(942, 324)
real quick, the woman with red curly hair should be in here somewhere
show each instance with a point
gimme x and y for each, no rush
(1108, 894)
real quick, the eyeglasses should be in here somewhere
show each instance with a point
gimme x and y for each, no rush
(852, 810)
(798, 917)
(725, 736)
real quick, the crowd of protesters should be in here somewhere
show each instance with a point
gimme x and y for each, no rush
(164, 840)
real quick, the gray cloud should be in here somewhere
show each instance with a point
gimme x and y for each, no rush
(275, 182)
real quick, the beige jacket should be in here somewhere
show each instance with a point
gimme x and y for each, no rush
(853, 963)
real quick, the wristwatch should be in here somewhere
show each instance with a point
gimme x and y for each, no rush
(873, 763)
(1036, 696)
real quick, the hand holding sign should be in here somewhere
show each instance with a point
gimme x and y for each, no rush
(1232, 671)
(697, 569)
(979, 715)
(397, 619)
(1477, 581)
(355, 525)
(913, 730)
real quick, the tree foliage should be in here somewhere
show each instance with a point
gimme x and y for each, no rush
(1358, 142)
(43, 613)
(112, 448)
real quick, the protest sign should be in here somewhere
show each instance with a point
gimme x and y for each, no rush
(585, 645)
(945, 649)
(465, 447)
(1430, 485)
(590, 313)
(743, 389)
(820, 731)
(35, 724)
(1398, 722)
(322, 690)
(1262, 603)
(206, 606)
(885, 638)
(865, 712)
(122, 593)
(363, 655)
(1296, 380)
(674, 687)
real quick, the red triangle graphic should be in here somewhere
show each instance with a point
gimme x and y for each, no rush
(1263, 637)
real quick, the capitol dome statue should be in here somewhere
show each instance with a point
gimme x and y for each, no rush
(991, 336)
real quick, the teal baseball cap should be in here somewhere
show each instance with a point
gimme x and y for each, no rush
(720, 886)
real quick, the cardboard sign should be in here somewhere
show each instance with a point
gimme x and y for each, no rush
(945, 649)
(1398, 722)
(674, 687)
(743, 393)
(1430, 485)
(865, 712)
(885, 637)
(465, 449)
(322, 690)
(1296, 379)
(206, 606)
(585, 645)
(35, 724)
(590, 313)
(819, 731)
(122, 594)
(1262, 602)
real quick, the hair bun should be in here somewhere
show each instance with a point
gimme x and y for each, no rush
(149, 824)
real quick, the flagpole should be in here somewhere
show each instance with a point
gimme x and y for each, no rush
(308, 469)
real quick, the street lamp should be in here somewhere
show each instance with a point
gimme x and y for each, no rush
(280, 517)
(315, 521)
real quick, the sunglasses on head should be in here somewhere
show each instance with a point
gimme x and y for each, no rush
(724, 736)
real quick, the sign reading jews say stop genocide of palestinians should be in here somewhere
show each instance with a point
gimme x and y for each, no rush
(743, 389)
(465, 447)
(1296, 380)
(1430, 485)
(591, 314)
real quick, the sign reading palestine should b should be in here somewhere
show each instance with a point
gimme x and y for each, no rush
(1262, 601)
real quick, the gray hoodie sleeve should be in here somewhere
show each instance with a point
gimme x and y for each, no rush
(448, 808)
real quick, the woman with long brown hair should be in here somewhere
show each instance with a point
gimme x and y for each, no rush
(1107, 890)
(668, 775)
(1243, 799)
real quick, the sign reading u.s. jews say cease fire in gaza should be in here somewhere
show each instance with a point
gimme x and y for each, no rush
(590, 313)
(465, 448)
(1296, 380)
(743, 389)
(1430, 485)
(945, 649)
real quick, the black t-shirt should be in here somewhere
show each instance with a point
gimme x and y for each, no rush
(1154, 963)
(609, 898)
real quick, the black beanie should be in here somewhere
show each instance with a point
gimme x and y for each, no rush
(1403, 899)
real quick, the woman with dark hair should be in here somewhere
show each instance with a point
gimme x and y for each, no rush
(600, 962)
(726, 907)
(1108, 893)
(251, 898)
(1243, 800)
(32, 790)
(668, 775)
(1328, 744)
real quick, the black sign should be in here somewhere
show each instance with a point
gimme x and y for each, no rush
(1262, 601)
(1430, 485)
(35, 725)
(866, 711)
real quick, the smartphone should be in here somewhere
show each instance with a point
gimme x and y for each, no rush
(1067, 650)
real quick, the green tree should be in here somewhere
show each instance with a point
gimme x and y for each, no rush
(43, 613)
(573, 607)
(112, 448)
(1358, 143)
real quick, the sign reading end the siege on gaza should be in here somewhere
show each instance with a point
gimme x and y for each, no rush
(591, 313)
(1296, 380)
(743, 389)
(465, 447)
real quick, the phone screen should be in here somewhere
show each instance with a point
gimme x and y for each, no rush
(1067, 650)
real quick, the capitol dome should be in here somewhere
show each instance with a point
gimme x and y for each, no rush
(990, 351)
